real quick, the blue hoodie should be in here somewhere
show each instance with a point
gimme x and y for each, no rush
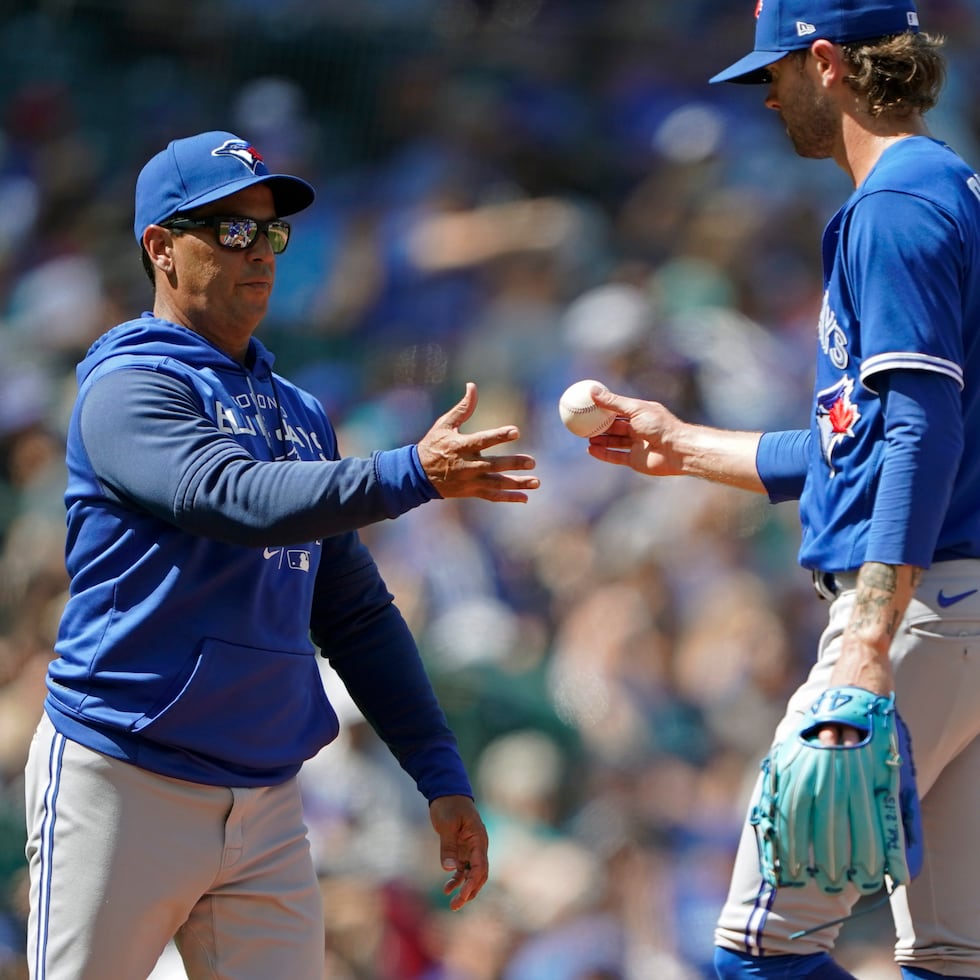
(212, 540)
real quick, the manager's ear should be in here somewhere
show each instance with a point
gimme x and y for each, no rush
(158, 243)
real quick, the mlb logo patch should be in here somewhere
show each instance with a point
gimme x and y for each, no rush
(298, 560)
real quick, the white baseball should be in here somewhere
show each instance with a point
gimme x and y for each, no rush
(580, 414)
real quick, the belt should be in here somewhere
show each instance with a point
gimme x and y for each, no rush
(829, 585)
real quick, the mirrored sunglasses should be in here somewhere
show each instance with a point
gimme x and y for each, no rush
(238, 233)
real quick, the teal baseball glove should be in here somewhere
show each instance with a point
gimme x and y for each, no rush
(841, 814)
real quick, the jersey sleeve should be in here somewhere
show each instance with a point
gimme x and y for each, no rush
(909, 319)
(781, 461)
(924, 443)
(151, 447)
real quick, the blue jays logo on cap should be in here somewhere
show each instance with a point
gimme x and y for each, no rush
(199, 170)
(240, 150)
(788, 25)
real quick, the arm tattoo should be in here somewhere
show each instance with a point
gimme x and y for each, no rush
(877, 586)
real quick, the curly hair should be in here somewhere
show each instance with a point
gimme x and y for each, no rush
(898, 75)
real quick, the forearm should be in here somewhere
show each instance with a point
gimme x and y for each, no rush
(718, 455)
(882, 596)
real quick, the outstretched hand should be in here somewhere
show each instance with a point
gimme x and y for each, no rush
(463, 847)
(456, 466)
(639, 437)
(650, 439)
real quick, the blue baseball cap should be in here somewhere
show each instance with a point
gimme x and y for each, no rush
(205, 168)
(782, 26)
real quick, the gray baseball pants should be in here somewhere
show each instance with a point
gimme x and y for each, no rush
(122, 860)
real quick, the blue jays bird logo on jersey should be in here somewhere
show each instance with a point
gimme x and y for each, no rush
(241, 151)
(836, 415)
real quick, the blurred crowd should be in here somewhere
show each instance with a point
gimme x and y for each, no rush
(520, 193)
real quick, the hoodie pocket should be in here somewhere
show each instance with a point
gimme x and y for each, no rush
(246, 706)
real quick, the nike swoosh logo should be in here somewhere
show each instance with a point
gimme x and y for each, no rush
(945, 601)
(272, 552)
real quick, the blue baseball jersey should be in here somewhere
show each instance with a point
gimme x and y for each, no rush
(890, 468)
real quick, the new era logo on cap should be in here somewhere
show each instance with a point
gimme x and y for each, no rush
(787, 25)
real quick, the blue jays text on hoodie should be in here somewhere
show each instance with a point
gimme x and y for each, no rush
(212, 540)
